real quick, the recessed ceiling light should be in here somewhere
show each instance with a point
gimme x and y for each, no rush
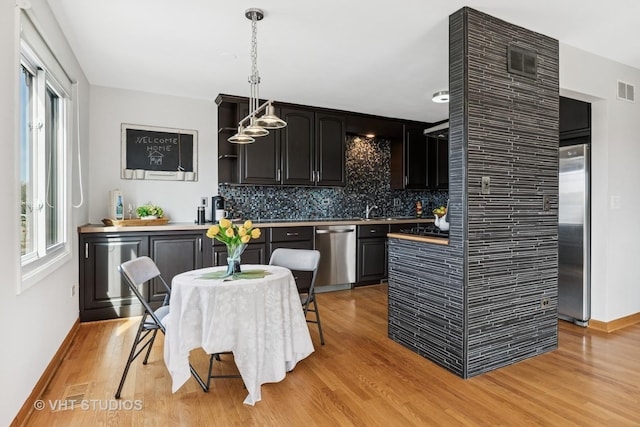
(370, 135)
(441, 96)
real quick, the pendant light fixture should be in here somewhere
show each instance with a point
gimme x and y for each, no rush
(253, 126)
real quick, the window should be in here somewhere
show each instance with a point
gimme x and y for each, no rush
(43, 166)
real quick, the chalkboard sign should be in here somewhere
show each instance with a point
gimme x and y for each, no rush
(150, 152)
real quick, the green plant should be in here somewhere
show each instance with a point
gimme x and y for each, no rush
(149, 210)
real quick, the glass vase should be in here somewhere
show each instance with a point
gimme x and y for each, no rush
(234, 252)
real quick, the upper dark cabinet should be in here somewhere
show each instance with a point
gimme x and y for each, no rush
(575, 122)
(416, 158)
(575, 115)
(260, 160)
(438, 163)
(309, 151)
(297, 142)
(330, 149)
(419, 162)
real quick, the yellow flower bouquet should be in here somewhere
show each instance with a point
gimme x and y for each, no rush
(236, 238)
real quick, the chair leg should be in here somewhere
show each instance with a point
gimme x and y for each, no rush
(151, 341)
(132, 355)
(311, 298)
(315, 306)
(205, 387)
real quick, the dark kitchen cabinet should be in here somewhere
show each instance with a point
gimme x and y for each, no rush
(330, 149)
(297, 142)
(255, 252)
(102, 292)
(419, 162)
(416, 158)
(309, 151)
(105, 295)
(438, 163)
(175, 254)
(293, 238)
(575, 122)
(260, 160)
(371, 254)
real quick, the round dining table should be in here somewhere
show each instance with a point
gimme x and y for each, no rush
(257, 315)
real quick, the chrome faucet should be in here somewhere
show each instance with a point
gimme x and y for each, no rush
(368, 210)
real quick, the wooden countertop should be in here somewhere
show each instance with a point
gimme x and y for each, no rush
(186, 226)
(415, 238)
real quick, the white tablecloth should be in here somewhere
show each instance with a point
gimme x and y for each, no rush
(260, 320)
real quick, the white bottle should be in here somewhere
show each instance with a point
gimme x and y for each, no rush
(119, 208)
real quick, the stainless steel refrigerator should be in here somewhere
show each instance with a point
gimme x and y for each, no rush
(574, 282)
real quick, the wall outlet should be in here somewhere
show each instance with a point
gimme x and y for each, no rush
(396, 202)
(204, 201)
(544, 302)
(486, 185)
(326, 202)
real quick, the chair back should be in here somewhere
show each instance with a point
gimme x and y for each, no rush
(139, 271)
(298, 260)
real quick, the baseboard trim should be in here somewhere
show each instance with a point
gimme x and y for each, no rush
(27, 408)
(616, 324)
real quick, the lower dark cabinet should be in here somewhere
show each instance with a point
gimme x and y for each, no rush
(105, 295)
(372, 254)
(173, 255)
(293, 238)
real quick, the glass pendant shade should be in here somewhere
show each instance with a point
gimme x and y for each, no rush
(270, 120)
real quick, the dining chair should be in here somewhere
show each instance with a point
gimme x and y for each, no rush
(136, 273)
(302, 260)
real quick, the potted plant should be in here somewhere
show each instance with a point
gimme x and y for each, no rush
(149, 211)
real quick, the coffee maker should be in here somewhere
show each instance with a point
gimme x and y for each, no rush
(217, 208)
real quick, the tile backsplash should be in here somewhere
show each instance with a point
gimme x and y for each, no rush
(368, 177)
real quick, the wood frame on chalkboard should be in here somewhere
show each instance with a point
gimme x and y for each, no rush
(158, 153)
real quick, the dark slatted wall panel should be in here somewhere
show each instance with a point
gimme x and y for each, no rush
(512, 124)
(477, 307)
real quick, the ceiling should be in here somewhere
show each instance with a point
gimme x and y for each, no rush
(371, 56)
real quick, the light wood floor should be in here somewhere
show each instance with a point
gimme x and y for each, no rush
(360, 378)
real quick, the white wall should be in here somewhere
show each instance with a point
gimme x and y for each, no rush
(36, 321)
(615, 265)
(112, 107)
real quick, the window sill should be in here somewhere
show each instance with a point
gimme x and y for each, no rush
(36, 272)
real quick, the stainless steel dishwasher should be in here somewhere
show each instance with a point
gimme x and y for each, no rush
(337, 246)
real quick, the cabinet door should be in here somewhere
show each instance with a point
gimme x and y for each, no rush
(259, 160)
(372, 260)
(416, 151)
(438, 158)
(175, 254)
(102, 291)
(296, 141)
(330, 150)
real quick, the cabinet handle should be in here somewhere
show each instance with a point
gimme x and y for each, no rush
(372, 231)
(317, 176)
(278, 175)
(406, 180)
(200, 244)
(293, 234)
(86, 251)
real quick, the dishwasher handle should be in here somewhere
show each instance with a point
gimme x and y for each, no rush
(344, 230)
